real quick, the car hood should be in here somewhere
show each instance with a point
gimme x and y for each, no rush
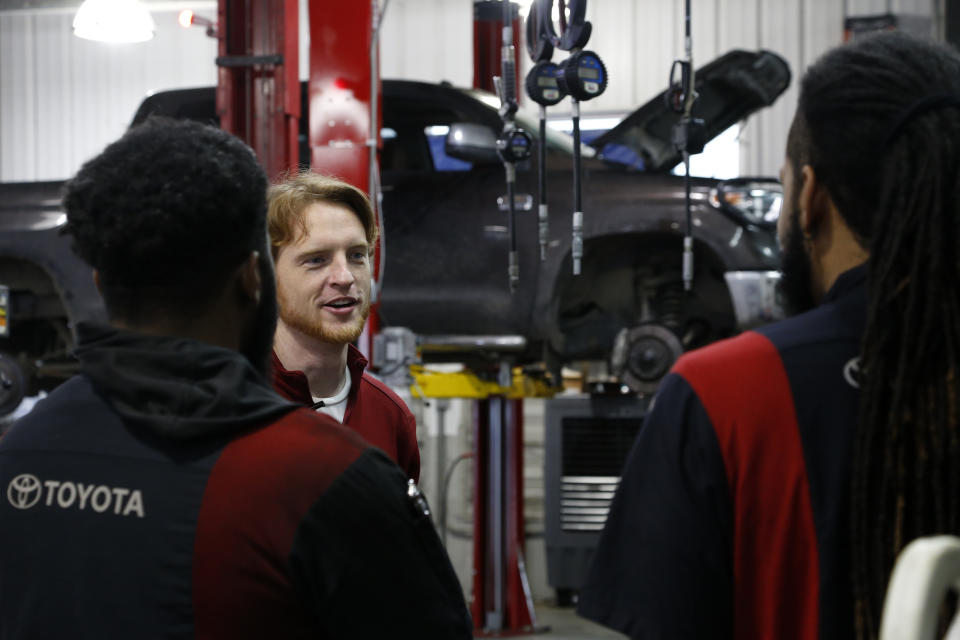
(728, 90)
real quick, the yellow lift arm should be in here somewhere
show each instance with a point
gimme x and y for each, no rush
(433, 383)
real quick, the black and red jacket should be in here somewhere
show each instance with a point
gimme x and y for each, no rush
(373, 410)
(731, 519)
(167, 491)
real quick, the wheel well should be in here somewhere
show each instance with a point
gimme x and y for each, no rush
(630, 279)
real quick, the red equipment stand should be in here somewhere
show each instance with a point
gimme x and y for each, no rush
(502, 602)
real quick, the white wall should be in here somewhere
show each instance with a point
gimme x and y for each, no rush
(62, 99)
(428, 40)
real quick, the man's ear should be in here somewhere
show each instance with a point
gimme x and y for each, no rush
(249, 277)
(96, 282)
(814, 202)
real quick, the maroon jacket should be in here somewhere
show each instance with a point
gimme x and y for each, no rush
(373, 410)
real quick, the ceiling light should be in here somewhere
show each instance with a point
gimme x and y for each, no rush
(114, 21)
(187, 18)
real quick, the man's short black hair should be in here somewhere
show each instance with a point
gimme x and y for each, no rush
(165, 213)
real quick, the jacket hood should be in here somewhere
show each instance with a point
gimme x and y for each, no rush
(176, 387)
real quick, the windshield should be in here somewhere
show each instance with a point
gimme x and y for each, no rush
(530, 122)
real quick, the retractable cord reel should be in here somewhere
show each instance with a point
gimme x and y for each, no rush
(689, 134)
(514, 144)
(582, 76)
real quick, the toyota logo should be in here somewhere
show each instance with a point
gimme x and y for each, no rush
(24, 491)
(852, 373)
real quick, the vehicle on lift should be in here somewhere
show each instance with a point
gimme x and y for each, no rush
(446, 237)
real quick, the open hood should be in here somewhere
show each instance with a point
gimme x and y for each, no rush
(729, 89)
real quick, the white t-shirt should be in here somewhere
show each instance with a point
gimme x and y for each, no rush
(336, 405)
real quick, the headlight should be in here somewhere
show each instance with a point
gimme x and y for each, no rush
(754, 201)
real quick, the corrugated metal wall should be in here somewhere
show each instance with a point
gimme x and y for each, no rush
(639, 39)
(62, 99)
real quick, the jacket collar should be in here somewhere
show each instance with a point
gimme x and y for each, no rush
(294, 385)
(847, 281)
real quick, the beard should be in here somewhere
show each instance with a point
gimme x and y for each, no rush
(302, 320)
(796, 273)
(258, 343)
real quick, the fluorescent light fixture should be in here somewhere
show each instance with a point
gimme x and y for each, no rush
(118, 21)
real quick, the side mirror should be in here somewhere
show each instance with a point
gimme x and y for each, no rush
(471, 142)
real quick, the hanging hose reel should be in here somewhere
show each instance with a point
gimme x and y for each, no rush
(582, 76)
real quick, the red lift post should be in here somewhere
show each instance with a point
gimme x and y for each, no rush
(258, 87)
(502, 603)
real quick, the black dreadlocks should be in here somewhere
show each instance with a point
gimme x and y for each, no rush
(899, 191)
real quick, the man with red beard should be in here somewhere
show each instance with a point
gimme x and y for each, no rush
(323, 233)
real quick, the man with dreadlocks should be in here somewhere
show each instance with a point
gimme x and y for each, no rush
(780, 472)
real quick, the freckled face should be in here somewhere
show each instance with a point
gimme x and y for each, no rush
(324, 279)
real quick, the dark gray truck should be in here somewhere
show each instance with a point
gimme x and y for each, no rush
(446, 238)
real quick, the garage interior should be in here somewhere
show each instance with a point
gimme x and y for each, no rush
(63, 98)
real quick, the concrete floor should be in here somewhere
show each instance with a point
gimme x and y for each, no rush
(562, 623)
(565, 624)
